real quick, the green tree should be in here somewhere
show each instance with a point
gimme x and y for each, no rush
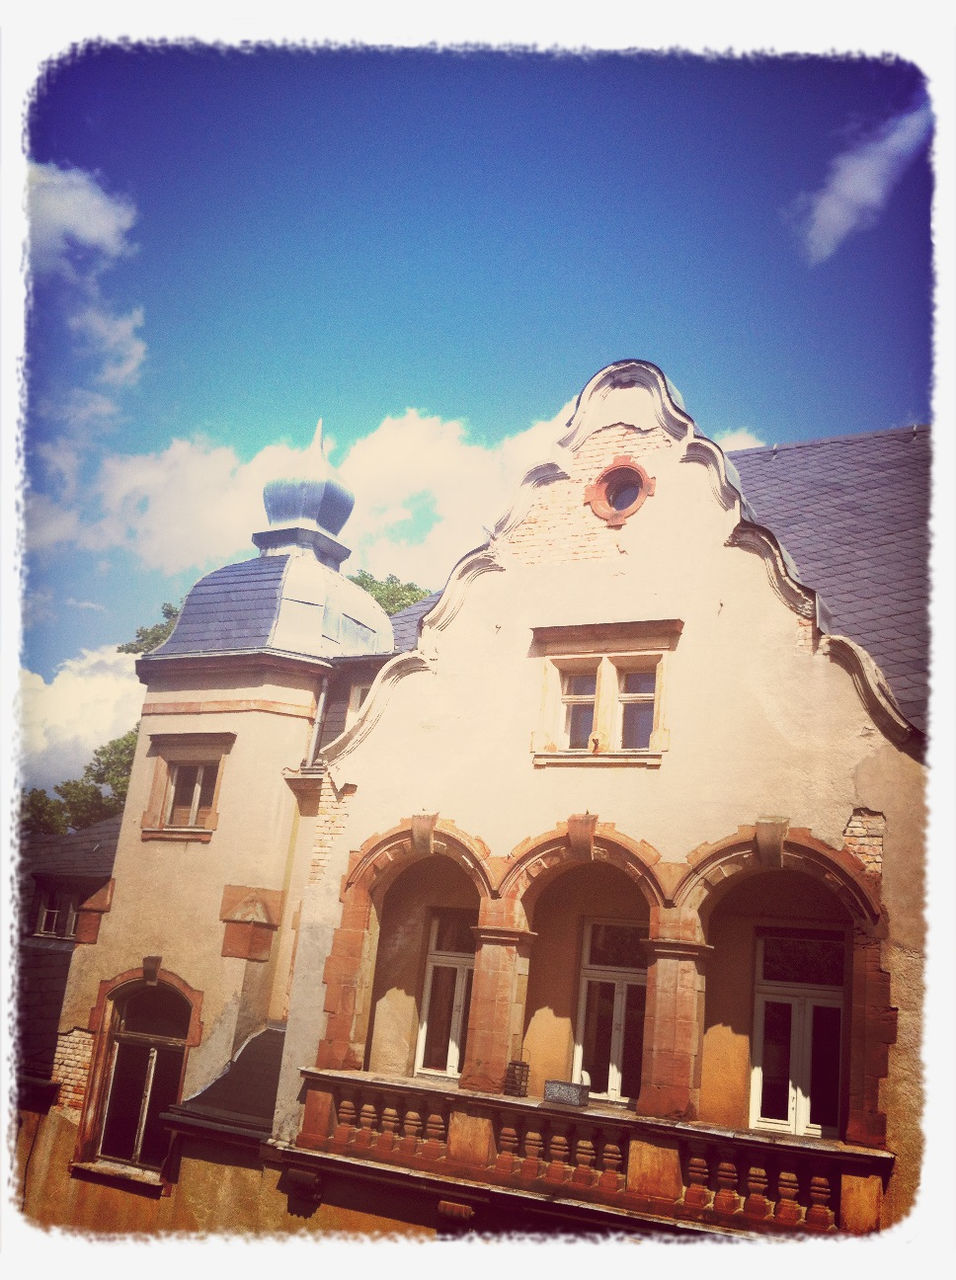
(149, 637)
(41, 814)
(112, 763)
(391, 594)
(86, 803)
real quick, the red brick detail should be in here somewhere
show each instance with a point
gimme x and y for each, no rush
(251, 917)
(90, 912)
(872, 1030)
(537, 860)
(597, 495)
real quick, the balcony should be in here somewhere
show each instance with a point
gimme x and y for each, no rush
(660, 1172)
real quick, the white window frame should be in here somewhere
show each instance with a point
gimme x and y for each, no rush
(802, 998)
(571, 700)
(56, 904)
(621, 978)
(464, 965)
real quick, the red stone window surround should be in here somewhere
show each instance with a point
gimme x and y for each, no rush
(187, 776)
(619, 491)
(71, 912)
(251, 917)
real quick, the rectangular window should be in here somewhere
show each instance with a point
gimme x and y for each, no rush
(447, 994)
(579, 689)
(798, 1034)
(187, 776)
(357, 695)
(602, 697)
(56, 917)
(609, 1045)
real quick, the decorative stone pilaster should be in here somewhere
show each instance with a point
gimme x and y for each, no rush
(498, 991)
(674, 1018)
(872, 1031)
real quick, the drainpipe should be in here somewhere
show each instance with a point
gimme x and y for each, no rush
(319, 720)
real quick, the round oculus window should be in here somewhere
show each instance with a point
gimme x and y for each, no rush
(619, 491)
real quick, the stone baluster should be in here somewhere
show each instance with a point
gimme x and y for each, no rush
(435, 1144)
(757, 1205)
(411, 1132)
(726, 1199)
(533, 1148)
(346, 1118)
(390, 1127)
(559, 1149)
(819, 1214)
(584, 1172)
(697, 1193)
(788, 1211)
(367, 1124)
(612, 1162)
(507, 1156)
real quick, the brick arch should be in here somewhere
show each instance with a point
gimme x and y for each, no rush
(718, 867)
(382, 858)
(373, 869)
(538, 860)
(110, 989)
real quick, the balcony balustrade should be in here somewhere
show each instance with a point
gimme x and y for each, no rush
(659, 1170)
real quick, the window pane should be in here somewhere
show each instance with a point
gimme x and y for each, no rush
(164, 1092)
(813, 960)
(581, 684)
(596, 1040)
(180, 811)
(632, 1051)
(775, 1095)
(580, 722)
(156, 1011)
(463, 1030)
(639, 682)
(125, 1101)
(453, 931)
(825, 1067)
(207, 790)
(440, 1007)
(617, 945)
(637, 722)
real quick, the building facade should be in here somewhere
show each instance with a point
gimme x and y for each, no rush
(585, 895)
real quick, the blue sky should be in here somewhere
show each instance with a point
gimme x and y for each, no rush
(432, 253)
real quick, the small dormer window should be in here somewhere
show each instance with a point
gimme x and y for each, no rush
(56, 915)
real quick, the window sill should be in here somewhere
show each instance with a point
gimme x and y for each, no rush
(638, 759)
(201, 835)
(115, 1171)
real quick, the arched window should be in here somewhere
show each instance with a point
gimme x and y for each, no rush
(146, 1055)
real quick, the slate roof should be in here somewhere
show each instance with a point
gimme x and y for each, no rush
(245, 1094)
(852, 512)
(231, 609)
(86, 854)
(406, 623)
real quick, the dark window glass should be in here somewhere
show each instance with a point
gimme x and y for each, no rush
(157, 1011)
(818, 961)
(617, 946)
(440, 1007)
(623, 490)
(454, 931)
(632, 1050)
(598, 1026)
(639, 682)
(825, 1067)
(580, 723)
(775, 1095)
(637, 724)
(126, 1101)
(580, 683)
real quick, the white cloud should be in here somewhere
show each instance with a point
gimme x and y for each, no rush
(859, 183)
(91, 699)
(195, 504)
(115, 339)
(68, 211)
(742, 438)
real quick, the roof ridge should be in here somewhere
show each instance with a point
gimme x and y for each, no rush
(856, 435)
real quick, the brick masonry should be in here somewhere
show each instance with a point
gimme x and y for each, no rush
(71, 1066)
(863, 837)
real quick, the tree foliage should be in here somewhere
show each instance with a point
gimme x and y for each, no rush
(391, 594)
(147, 638)
(41, 814)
